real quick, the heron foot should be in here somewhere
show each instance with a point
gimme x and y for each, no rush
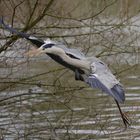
(126, 120)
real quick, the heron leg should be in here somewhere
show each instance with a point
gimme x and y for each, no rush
(124, 117)
(78, 76)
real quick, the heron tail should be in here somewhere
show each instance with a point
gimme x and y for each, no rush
(118, 93)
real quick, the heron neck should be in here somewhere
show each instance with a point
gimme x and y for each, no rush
(79, 63)
(83, 64)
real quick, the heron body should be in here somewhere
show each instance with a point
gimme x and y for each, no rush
(88, 69)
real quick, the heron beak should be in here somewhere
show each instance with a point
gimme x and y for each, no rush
(34, 52)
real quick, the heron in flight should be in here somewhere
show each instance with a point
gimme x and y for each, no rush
(90, 70)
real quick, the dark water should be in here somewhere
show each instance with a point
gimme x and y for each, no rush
(65, 109)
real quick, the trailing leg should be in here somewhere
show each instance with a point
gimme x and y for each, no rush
(124, 117)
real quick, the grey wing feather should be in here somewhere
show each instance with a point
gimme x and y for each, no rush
(12, 30)
(116, 91)
(103, 73)
(94, 82)
(102, 78)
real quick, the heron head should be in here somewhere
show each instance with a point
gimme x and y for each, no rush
(43, 49)
(47, 46)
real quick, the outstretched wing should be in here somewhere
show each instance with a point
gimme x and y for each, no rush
(34, 40)
(103, 79)
(12, 30)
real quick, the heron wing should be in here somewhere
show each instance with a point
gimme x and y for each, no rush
(94, 82)
(12, 30)
(102, 78)
(116, 91)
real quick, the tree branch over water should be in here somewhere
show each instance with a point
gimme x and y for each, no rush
(28, 26)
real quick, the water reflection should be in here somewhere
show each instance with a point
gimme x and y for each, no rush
(47, 115)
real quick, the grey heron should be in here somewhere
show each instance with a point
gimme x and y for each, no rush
(90, 70)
